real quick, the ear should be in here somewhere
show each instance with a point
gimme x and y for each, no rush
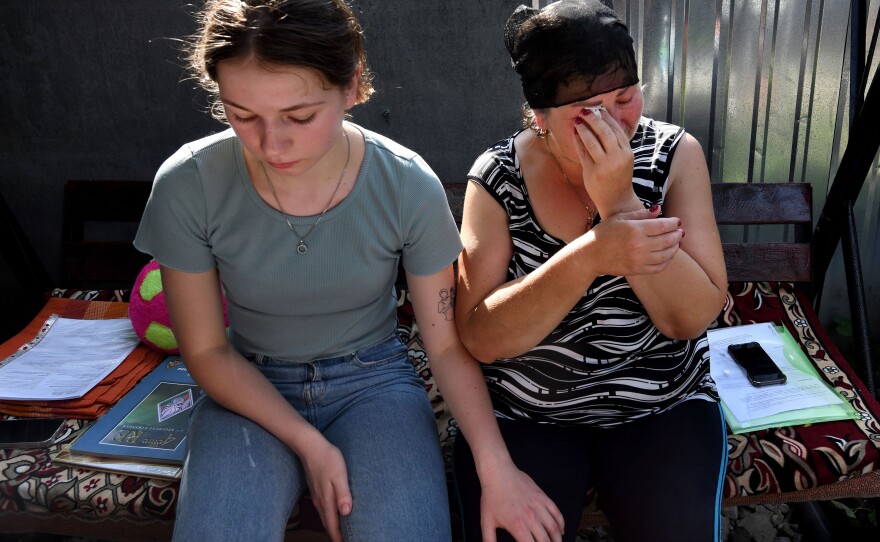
(540, 120)
(351, 91)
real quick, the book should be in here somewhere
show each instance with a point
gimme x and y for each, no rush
(149, 423)
(117, 466)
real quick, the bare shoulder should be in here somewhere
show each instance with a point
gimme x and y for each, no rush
(688, 168)
(484, 221)
(689, 183)
(482, 265)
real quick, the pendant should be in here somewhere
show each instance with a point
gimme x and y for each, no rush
(301, 247)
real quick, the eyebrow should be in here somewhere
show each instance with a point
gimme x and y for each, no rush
(285, 110)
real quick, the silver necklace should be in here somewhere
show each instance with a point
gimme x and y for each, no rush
(301, 246)
(591, 214)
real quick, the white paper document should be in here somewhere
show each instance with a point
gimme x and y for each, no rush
(67, 360)
(748, 402)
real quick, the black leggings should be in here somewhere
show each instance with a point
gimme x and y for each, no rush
(658, 478)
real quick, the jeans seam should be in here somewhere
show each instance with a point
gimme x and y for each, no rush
(349, 532)
(317, 391)
(357, 362)
(294, 502)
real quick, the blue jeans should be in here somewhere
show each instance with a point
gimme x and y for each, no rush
(241, 483)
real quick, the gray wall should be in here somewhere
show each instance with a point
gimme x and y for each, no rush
(94, 89)
(90, 89)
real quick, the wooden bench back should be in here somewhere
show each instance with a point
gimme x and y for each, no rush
(761, 204)
(99, 221)
(748, 204)
(115, 263)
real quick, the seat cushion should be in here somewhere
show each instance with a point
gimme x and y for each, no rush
(802, 457)
(805, 462)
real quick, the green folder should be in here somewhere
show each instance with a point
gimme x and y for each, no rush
(825, 413)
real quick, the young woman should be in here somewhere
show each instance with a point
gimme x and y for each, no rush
(582, 295)
(301, 217)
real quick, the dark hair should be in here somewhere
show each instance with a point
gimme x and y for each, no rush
(322, 35)
(568, 51)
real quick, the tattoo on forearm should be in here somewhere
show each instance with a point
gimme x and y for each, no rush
(446, 305)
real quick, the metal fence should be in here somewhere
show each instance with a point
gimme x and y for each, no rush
(765, 86)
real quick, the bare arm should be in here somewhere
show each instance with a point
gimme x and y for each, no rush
(511, 500)
(683, 299)
(686, 296)
(498, 318)
(195, 307)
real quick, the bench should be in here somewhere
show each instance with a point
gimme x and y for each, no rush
(769, 281)
(98, 222)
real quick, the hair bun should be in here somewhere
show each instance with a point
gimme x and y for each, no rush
(512, 26)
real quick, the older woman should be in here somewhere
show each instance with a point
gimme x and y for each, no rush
(591, 270)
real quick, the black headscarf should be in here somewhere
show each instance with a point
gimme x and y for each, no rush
(569, 51)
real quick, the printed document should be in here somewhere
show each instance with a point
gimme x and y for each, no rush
(746, 401)
(67, 359)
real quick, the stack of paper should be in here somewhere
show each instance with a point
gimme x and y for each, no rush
(68, 358)
(804, 398)
(40, 376)
(119, 466)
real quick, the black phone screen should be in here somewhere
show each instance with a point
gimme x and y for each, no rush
(759, 367)
(36, 431)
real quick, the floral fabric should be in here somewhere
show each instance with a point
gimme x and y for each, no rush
(762, 465)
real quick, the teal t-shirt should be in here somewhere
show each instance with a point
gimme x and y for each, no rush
(204, 212)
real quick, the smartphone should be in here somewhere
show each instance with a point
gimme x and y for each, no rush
(30, 432)
(759, 367)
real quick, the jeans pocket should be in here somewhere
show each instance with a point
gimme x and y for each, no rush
(380, 353)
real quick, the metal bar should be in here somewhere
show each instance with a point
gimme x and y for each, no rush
(857, 305)
(854, 166)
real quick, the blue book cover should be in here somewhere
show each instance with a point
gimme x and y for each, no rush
(149, 422)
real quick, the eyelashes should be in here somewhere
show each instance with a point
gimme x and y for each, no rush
(245, 120)
(236, 118)
(307, 120)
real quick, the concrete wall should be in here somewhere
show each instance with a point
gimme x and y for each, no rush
(94, 89)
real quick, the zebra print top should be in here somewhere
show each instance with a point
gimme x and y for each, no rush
(606, 363)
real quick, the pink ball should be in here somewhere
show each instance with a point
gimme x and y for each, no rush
(149, 314)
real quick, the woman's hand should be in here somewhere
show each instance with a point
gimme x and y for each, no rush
(633, 243)
(195, 306)
(327, 478)
(607, 162)
(512, 501)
